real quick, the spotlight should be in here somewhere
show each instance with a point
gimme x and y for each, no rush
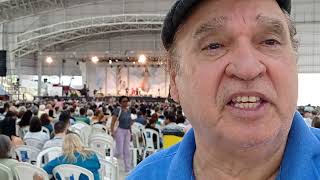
(110, 62)
(95, 59)
(49, 60)
(142, 59)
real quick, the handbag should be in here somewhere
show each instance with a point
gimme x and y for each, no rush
(116, 125)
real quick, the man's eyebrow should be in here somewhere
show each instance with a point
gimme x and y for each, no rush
(270, 24)
(213, 25)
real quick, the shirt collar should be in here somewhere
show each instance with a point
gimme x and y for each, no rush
(181, 166)
(302, 146)
(302, 151)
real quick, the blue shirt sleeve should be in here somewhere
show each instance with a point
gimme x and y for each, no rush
(51, 165)
(116, 112)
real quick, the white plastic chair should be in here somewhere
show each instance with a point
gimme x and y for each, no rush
(46, 130)
(149, 133)
(139, 126)
(5, 170)
(137, 146)
(102, 143)
(26, 171)
(83, 129)
(98, 128)
(34, 142)
(47, 155)
(108, 125)
(23, 131)
(27, 153)
(67, 170)
(106, 136)
(108, 170)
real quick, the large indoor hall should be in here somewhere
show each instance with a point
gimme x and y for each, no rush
(159, 89)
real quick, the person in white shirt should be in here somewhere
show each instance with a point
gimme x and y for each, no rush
(35, 131)
(60, 129)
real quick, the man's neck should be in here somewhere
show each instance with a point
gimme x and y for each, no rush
(261, 163)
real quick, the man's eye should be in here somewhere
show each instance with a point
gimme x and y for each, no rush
(271, 42)
(213, 46)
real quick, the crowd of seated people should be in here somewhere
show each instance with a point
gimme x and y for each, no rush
(20, 122)
(311, 115)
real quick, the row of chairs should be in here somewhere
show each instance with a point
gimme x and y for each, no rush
(25, 170)
(109, 169)
(23, 131)
(147, 141)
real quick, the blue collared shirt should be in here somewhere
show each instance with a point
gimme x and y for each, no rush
(301, 160)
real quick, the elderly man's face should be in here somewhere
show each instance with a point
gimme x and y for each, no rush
(237, 80)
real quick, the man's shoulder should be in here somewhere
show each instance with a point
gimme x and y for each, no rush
(155, 166)
(53, 143)
(316, 133)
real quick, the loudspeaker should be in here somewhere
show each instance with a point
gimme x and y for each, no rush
(3, 63)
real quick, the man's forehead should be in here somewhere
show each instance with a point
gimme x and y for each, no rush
(219, 12)
(181, 11)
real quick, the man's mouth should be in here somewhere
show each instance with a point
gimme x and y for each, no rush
(246, 102)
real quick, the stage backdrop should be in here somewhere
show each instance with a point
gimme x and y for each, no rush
(122, 80)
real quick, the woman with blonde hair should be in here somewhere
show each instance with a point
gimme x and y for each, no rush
(75, 153)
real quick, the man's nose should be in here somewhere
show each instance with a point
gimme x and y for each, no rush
(245, 64)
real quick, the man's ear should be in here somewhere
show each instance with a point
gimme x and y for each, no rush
(173, 88)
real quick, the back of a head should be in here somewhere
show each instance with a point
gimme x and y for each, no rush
(44, 118)
(72, 110)
(8, 127)
(90, 113)
(22, 109)
(64, 116)
(73, 144)
(42, 107)
(316, 122)
(171, 117)
(180, 119)
(34, 109)
(5, 145)
(60, 127)
(153, 119)
(13, 109)
(25, 119)
(35, 124)
(143, 111)
(82, 111)
(51, 113)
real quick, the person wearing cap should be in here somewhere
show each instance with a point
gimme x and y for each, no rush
(233, 69)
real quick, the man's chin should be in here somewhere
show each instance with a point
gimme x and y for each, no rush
(249, 138)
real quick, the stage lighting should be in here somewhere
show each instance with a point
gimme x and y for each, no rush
(95, 59)
(49, 60)
(142, 59)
